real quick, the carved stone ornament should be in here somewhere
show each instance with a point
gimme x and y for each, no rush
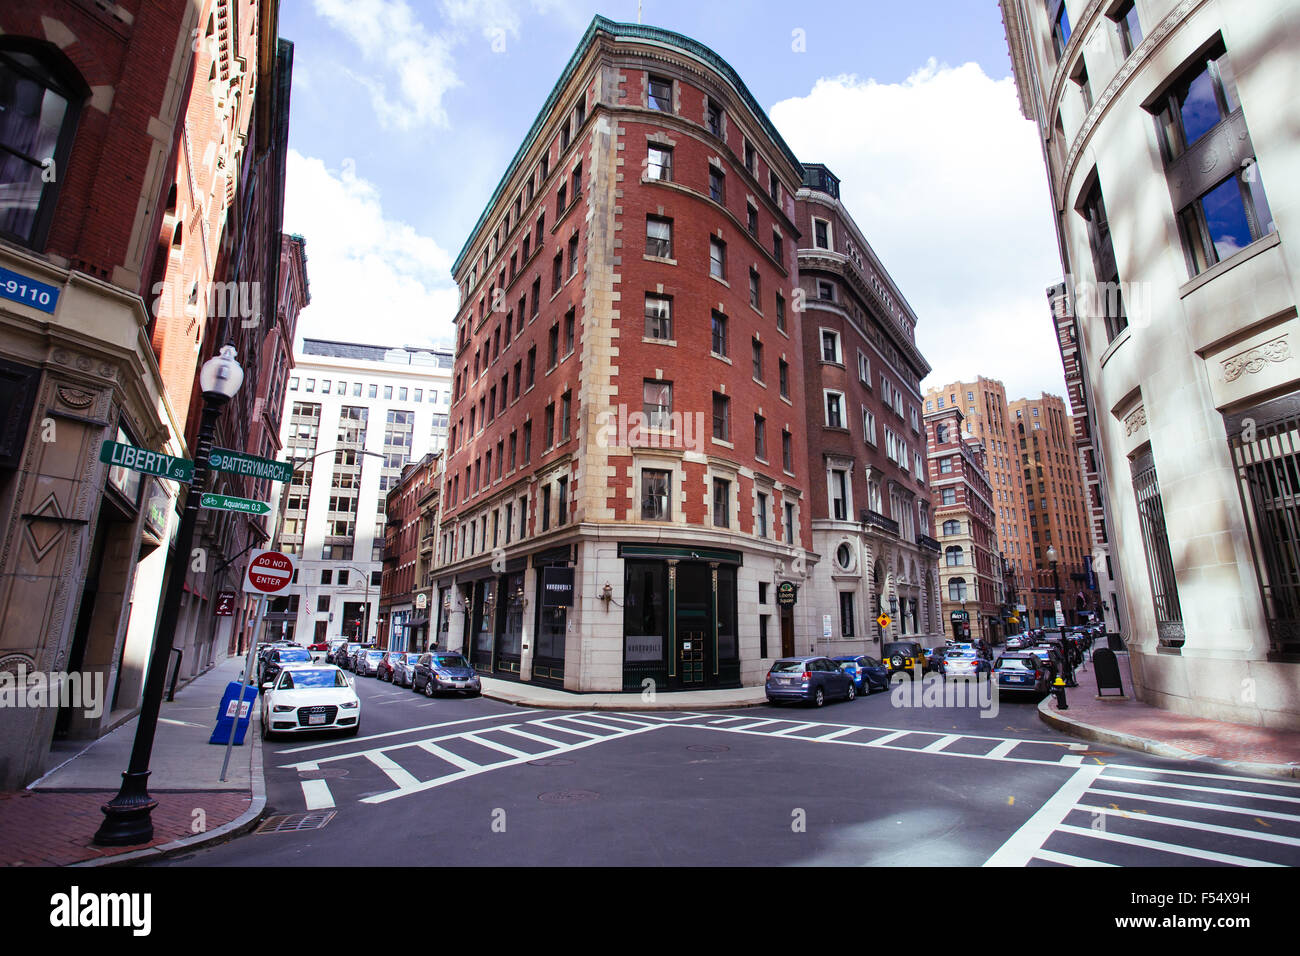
(75, 397)
(1253, 360)
(1135, 420)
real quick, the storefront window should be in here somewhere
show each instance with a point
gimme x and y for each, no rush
(728, 648)
(645, 613)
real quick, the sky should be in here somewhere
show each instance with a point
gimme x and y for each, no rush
(405, 114)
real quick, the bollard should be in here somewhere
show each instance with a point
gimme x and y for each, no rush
(1059, 690)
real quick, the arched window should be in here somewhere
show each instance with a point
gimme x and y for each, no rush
(955, 556)
(956, 589)
(952, 527)
(40, 99)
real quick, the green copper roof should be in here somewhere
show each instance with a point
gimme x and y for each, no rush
(635, 31)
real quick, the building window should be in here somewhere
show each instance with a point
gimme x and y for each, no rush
(573, 263)
(721, 417)
(846, 614)
(751, 219)
(780, 312)
(1223, 221)
(40, 105)
(546, 507)
(751, 156)
(1200, 99)
(713, 118)
(757, 347)
(755, 299)
(658, 317)
(956, 589)
(1060, 26)
(566, 414)
(717, 185)
(825, 290)
(952, 527)
(570, 332)
(719, 340)
(1110, 299)
(954, 556)
(949, 496)
(789, 522)
(659, 164)
(839, 494)
(661, 94)
(864, 369)
(834, 410)
(868, 426)
(1155, 540)
(561, 502)
(721, 503)
(1130, 27)
(658, 237)
(760, 437)
(717, 258)
(783, 377)
(821, 234)
(945, 466)
(548, 425)
(760, 525)
(830, 346)
(787, 452)
(656, 505)
(657, 403)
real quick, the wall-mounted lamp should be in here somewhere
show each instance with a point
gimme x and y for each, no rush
(607, 593)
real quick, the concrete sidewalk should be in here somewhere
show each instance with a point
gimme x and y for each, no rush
(51, 823)
(532, 695)
(1131, 723)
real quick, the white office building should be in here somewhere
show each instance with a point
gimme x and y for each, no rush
(355, 414)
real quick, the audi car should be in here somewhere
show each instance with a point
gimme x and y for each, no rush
(309, 697)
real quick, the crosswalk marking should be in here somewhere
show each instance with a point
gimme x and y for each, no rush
(535, 737)
(841, 732)
(592, 723)
(396, 773)
(316, 794)
(940, 743)
(1090, 787)
(889, 738)
(494, 745)
(564, 729)
(353, 741)
(456, 760)
(1002, 749)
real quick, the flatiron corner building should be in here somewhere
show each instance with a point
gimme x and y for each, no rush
(1169, 130)
(629, 494)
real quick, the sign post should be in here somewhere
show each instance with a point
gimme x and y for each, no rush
(269, 573)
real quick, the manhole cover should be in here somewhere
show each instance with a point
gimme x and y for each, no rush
(322, 774)
(568, 796)
(551, 762)
(708, 748)
(294, 822)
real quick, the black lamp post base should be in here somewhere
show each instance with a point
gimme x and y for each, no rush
(128, 819)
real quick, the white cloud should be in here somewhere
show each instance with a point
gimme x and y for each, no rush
(392, 40)
(946, 180)
(373, 279)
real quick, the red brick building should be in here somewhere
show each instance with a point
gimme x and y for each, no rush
(92, 97)
(626, 482)
(871, 517)
(406, 536)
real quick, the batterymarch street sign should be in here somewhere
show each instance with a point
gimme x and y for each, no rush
(143, 460)
(231, 503)
(238, 463)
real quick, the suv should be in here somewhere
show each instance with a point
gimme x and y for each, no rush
(903, 656)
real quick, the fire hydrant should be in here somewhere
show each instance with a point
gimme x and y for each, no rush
(1058, 689)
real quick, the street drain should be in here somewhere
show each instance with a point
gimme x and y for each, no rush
(568, 796)
(708, 748)
(294, 822)
(551, 762)
(325, 774)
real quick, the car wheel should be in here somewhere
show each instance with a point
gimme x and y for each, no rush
(429, 690)
(853, 691)
(819, 698)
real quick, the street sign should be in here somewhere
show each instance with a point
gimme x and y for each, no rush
(149, 462)
(226, 604)
(884, 621)
(421, 601)
(238, 463)
(231, 503)
(269, 572)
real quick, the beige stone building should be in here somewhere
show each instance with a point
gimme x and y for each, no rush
(1170, 136)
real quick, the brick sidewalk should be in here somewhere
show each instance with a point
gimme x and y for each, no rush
(54, 828)
(1156, 730)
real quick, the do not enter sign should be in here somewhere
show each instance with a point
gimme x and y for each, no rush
(269, 572)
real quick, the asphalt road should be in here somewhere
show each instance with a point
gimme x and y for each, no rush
(868, 782)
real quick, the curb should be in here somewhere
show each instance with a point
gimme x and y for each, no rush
(1078, 728)
(635, 708)
(236, 827)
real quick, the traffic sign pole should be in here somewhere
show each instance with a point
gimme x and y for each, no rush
(248, 667)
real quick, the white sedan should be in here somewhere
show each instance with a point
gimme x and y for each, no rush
(307, 697)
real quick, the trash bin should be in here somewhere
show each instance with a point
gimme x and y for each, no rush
(230, 705)
(1115, 641)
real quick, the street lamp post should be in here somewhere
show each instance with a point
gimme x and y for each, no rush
(1052, 558)
(128, 817)
(365, 610)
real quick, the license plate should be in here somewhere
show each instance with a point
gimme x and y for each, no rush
(785, 680)
(315, 719)
(1013, 677)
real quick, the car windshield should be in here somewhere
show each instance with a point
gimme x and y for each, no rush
(412, 658)
(899, 649)
(374, 655)
(449, 660)
(300, 654)
(1016, 664)
(296, 680)
(788, 667)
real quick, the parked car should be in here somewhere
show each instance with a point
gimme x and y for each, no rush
(277, 657)
(354, 657)
(1021, 672)
(809, 679)
(368, 662)
(438, 671)
(404, 668)
(906, 656)
(308, 697)
(384, 669)
(965, 663)
(332, 653)
(868, 673)
(1051, 657)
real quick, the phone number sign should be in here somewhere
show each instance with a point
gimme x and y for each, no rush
(19, 288)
